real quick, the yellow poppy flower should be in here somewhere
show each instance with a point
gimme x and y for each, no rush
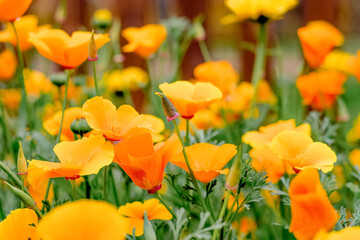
(25, 25)
(189, 98)
(131, 78)
(339, 61)
(346, 233)
(20, 224)
(144, 41)
(37, 83)
(8, 65)
(206, 160)
(257, 10)
(11, 98)
(354, 157)
(83, 219)
(354, 134)
(67, 51)
(12, 9)
(134, 214)
(299, 150)
(82, 157)
(118, 124)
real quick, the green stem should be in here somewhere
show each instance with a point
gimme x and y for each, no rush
(12, 175)
(154, 101)
(2, 215)
(222, 213)
(105, 178)
(7, 133)
(204, 51)
(87, 187)
(193, 179)
(187, 139)
(116, 197)
(228, 133)
(47, 193)
(73, 184)
(95, 79)
(22, 189)
(36, 209)
(68, 72)
(165, 204)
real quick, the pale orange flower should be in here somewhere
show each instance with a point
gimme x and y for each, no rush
(36, 83)
(355, 157)
(11, 98)
(20, 224)
(134, 214)
(8, 65)
(12, 9)
(206, 160)
(311, 209)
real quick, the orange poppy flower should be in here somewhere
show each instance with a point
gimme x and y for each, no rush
(244, 226)
(12, 9)
(83, 219)
(317, 39)
(339, 61)
(346, 233)
(220, 73)
(59, 47)
(11, 98)
(37, 83)
(204, 119)
(311, 209)
(144, 41)
(144, 162)
(189, 98)
(52, 124)
(206, 160)
(20, 224)
(299, 150)
(118, 124)
(134, 214)
(25, 25)
(8, 65)
(78, 158)
(354, 157)
(320, 89)
(354, 66)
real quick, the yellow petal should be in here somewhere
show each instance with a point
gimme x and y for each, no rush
(18, 225)
(320, 156)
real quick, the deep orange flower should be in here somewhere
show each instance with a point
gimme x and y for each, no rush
(299, 150)
(134, 214)
(189, 98)
(317, 39)
(206, 160)
(18, 225)
(8, 65)
(144, 41)
(12, 9)
(311, 209)
(83, 219)
(59, 47)
(25, 25)
(78, 158)
(320, 89)
(220, 73)
(144, 162)
(118, 124)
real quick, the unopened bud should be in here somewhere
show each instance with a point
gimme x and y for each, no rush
(21, 162)
(80, 126)
(92, 48)
(200, 34)
(24, 197)
(233, 177)
(343, 112)
(58, 79)
(102, 19)
(168, 107)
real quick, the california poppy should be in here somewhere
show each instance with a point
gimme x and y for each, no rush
(36, 83)
(299, 150)
(11, 98)
(144, 41)
(83, 219)
(317, 39)
(339, 61)
(25, 25)
(8, 65)
(345, 233)
(354, 157)
(320, 89)
(118, 124)
(12, 9)
(134, 214)
(67, 51)
(206, 160)
(144, 162)
(311, 209)
(78, 158)
(131, 78)
(189, 98)
(353, 135)
(19, 224)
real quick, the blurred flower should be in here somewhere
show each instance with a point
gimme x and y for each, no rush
(52, 124)
(311, 209)
(8, 65)
(38, 193)
(265, 93)
(257, 10)
(144, 162)
(339, 61)
(118, 124)
(83, 219)
(205, 119)
(345, 233)
(37, 83)
(134, 214)
(354, 157)
(59, 47)
(11, 98)
(189, 98)
(320, 89)
(12, 9)
(355, 66)
(102, 18)
(244, 226)
(158, 126)
(317, 39)
(144, 41)
(353, 135)
(78, 158)
(20, 224)
(220, 73)
(206, 160)
(299, 150)
(24, 26)
(131, 78)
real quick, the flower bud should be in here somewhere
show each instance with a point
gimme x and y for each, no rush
(80, 126)
(342, 113)
(233, 177)
(58, 79)
(102, 19)
(168, 107)
(21, 162)
(200, 34)
(92, 48)
(25, 198)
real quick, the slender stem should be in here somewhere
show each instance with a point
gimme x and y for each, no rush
(87, 187)
(64, 105)
(73, 184)
(151, 91)
(222, 212)
(204, 51)
(47, 193)
(187, 139)
(6, 133)
(2, 215)
(116, 197)
(22, 80)
(36, 209)
(22, 189)
(193, 179)
(165, 204)
(105, 178)
(13, 176)
(95, 79)
(228, 133)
